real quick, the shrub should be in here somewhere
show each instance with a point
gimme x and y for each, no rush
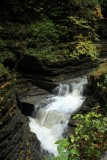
(89, 141)
(82, 46)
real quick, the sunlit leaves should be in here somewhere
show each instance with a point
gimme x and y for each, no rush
(84, 47)
(64, 142)
(89, 140)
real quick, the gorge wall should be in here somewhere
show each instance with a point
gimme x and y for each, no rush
(16, 140)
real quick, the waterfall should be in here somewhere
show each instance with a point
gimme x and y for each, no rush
(51, 116)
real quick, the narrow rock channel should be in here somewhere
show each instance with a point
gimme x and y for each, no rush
(51, 115)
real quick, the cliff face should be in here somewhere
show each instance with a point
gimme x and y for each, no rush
(16, 140)
(98, 80)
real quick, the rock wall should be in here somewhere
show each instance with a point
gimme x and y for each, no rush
(16, 140)
(98, 80)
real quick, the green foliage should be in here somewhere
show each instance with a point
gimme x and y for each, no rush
(82, 26)
(39, 39)
(83, 46)
(25, 11)
(99, 78)
(4, 73)
(44, 31)
(84, 18)
(7, 55)
(2, 43)
(85, 8)
(89, 140)
(91, 131)
(51, 33)
(102, 85)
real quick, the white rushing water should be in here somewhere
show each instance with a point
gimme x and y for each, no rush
(52, 115)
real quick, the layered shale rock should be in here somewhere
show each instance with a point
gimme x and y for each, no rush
(98, 80)
(16, 140)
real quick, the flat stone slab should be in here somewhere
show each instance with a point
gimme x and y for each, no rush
(33, 99)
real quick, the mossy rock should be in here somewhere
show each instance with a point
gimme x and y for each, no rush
(98, 79)
(101, 70)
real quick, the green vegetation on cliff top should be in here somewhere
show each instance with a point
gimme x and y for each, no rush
(56, 32)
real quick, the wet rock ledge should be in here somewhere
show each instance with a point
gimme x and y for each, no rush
(16, 140)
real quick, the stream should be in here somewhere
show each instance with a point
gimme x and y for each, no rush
(51, 115)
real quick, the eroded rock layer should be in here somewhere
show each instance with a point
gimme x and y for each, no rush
(16, 140)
